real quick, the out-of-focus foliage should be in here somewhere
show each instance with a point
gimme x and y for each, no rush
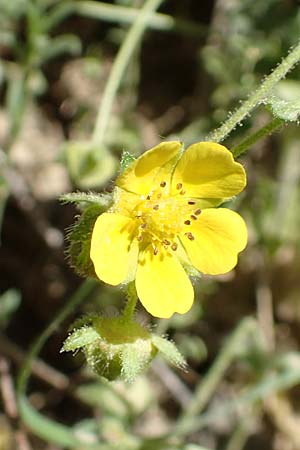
(242, 383)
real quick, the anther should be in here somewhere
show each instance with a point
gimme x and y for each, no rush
(148, 197)
(182, 192)
(193, 217)
(163, 184)
(156, 207)
(166, 242)
(139, 238)
(155, 251)
(190, 236)
(159, 195)
(179, 186)
(191, 202)
(138, 215)
(187, 222)
(197, 212)
(174, 247)
(144, 225)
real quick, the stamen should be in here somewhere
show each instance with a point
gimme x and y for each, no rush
(148, 197)
(163, 184)
(174, 247)
(138, 214)
(191, 202)
(144, 225)
(156, 207)
(182, 192)
(179, 186)
(190, 236)
(140, 237)
(193, 217)
(155, 251)
(166, 242)
(159, 195)
(197, 212)
(187, 222)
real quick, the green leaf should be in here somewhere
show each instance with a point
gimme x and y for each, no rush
(100, 394)
(80, 338)
(285, 110)
(89, 166)
(9, 303)
(169, 351)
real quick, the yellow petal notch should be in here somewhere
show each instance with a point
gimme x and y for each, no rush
(208, 170)
(142, 175)
(162, 285)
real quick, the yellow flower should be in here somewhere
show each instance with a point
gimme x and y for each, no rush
(163, 220)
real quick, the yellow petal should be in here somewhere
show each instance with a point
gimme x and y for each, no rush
(112, 250)
(153, 166)
(208, 170)
(219, 234)
(162, 285)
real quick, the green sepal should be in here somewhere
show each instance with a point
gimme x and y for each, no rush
(80, 338)
(169, 351)
(126, 160)
(84, 199)
(79, 240)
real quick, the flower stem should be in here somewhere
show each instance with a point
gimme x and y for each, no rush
(121, 62)
(41, 426)
(267, 129)
(280, 72)
(132, 299)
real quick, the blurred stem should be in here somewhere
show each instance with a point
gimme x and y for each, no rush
(120, 64)
(259, 95)
(127, 15)
(41, 426)
(266, 130)
(240, 436)
(207, 387)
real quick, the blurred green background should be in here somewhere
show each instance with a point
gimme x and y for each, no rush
(193, 66)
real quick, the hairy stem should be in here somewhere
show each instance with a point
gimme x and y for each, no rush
(255, 99)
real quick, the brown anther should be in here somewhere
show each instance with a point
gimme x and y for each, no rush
(139, 214)
(148, 197)
(179, 186)
(197, 212)
(139, 238)
(155, 251)
(187, 222)
(190, 236)
(163, 184)
(182, 192)
(156, 207)
(191, 202)
(159, 195)
(166, 242)
(193, 217)
(174, 247)
(144, 225)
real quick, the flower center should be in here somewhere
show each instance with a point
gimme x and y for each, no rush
(162, 216)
